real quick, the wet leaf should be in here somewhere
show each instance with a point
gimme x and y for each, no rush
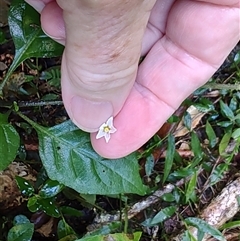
(25, 186)
(69, 158)
(205, 227)
(33, 204)
(50, 189)
(49, 206)
(28, 37)
(10, 142)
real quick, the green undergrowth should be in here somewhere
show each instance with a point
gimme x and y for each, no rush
(69, 169)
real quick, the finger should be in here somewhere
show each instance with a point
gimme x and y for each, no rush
(179, 63)
(101, 57)
(38, 4)
(52, 22)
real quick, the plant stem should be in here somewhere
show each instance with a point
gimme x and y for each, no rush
(125, 218)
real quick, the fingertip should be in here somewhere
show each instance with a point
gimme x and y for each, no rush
(89, 115)
(52, 22)
(36, 4)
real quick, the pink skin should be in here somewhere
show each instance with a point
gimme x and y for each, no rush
(185, 42)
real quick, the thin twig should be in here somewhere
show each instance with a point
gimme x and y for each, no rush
(24, 104)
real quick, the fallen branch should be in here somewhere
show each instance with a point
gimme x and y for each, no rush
(220, 210)
(142, 205)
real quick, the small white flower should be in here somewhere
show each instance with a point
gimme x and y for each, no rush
(106, 129)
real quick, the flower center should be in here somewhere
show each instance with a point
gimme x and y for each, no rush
(106, 129)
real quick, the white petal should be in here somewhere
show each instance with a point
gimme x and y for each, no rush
(107, 137)
(113, 129)
(100, 134)
(110, 122)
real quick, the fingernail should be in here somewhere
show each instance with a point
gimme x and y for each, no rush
(60, 40)
(38, 5)
(89, 115)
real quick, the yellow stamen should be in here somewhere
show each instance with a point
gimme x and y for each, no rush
(106, 129)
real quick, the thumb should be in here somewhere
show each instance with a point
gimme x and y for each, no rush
(100, 61)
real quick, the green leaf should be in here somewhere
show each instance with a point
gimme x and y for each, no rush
(196, 146)
(21, 231)
(50, 189)
(211, 135)
(224, 143)
(187, 120)
(48, 205)
(112, 227)
(149, 165)
(205, 227)
(20, 219)
(64, 229)
(236, 134)
(28, 37)
(217, 173)
(25, 186)
(191, 187)
(226, 111)
(181, 173)
(169, 157)
(231, 225)
(164, 214)
(114, 237)
(187, 236)
(65, 210)
(10, 142)
(69, 158)
(168, 197)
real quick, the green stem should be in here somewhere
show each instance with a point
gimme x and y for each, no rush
(125, 218)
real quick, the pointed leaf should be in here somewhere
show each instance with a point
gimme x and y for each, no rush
(69, 158)
(161, 216)
(22, 229)
(28, 37)
(50, 189)
(169, 157)
(9, 142)
(196, 146)
(190, 192)
(114, 237)
(224, 142)
(211, 135)
(226, 111)
(205, 227)
(25, 186)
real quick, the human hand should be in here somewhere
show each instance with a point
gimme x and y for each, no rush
(185, 42)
